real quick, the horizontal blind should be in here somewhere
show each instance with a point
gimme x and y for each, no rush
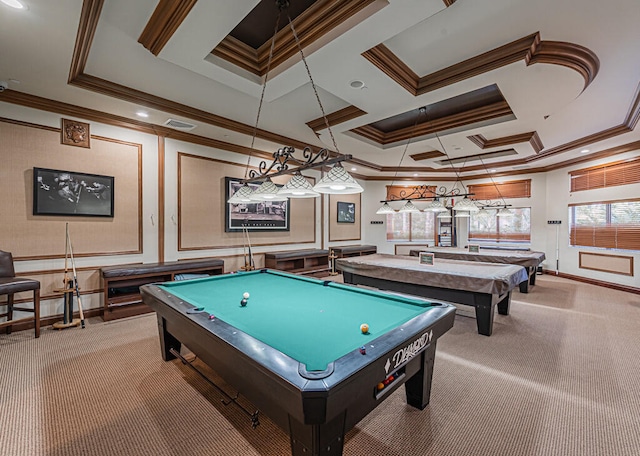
(509, 189)
(609, 224)
(607, 175)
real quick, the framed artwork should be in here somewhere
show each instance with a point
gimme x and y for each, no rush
(426, 258)
(258, 216)
(57, 192)
(346, 212)
(474, 248)
(75, 133)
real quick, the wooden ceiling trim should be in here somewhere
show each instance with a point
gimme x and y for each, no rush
(151, 101)
(631, 120)
(391, 65)
(89, 16)
(337, 117)
(530, 48)
(44, 104)
(238, 53)
(569, 55)
(165, 20)
(57, 107)
(530, 137)
(491, 60)
(427, 155)
(86, 29)
(313, 24)
(482, 113)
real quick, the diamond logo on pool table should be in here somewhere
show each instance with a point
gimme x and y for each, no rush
(403, 355)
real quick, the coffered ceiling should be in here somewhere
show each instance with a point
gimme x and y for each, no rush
(409, 88)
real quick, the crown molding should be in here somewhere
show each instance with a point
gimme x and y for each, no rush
(318, 21)
(164, 22)
(337, 117)
(480, 114)
(529, 48)
(86, 30)
(531, 137)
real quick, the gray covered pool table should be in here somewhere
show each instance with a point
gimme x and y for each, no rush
(481, 285)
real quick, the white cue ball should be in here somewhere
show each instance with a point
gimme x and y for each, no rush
(245, 295)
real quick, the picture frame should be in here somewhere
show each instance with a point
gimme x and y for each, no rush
(71, 193)
(426, 258)
(474, 248)
(74, 133)
(346, 212)
(254, 216)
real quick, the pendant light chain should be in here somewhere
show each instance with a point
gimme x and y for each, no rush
(313, 85)
(264, 87)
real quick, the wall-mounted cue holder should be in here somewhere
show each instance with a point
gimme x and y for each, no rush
(554, 222)
(377, 222)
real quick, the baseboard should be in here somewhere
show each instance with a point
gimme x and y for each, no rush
(47, 321)
(600, 283)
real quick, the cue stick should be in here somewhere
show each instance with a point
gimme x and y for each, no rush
(67, 315)
(557, 248)
(252, 265)
(75, 280)
(244, 247)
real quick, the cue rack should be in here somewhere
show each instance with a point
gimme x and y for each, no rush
(67, 290)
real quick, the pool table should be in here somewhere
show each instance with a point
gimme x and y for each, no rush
(526, 258)
(296, 349)
(484, 286)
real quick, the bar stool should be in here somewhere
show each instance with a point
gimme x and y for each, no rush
(10, 284)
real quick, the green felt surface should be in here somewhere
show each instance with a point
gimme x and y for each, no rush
(312, 323)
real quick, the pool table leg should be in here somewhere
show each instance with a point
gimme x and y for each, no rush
(318, 439)
(167, 341)
(484, 319)
(418, 387)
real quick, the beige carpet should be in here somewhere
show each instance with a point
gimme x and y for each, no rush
(559, 376)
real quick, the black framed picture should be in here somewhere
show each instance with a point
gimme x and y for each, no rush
(254, 216)
(346, 212)
(57, 192)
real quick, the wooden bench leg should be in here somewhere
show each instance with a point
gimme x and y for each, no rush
(36, 311)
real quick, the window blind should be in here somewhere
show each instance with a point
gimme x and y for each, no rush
(607, 175)
(509, 189)
(608, 224)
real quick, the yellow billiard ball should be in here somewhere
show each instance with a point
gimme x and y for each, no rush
(380, 386)
(364, 328)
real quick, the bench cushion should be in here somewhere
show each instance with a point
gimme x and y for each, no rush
(128, 270)
(296, 254)
(354, 248)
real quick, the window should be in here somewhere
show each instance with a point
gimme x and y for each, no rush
(411, 226)
(608, 224)
(488, 227)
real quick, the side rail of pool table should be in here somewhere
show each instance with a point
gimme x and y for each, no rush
(315, 412)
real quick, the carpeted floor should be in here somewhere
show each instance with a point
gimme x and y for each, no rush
(559, 376)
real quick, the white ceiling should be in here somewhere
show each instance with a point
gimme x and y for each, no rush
(38, 46)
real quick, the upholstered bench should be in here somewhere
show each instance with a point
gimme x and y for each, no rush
(353, 250)
(122, 282)
(309, 261)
